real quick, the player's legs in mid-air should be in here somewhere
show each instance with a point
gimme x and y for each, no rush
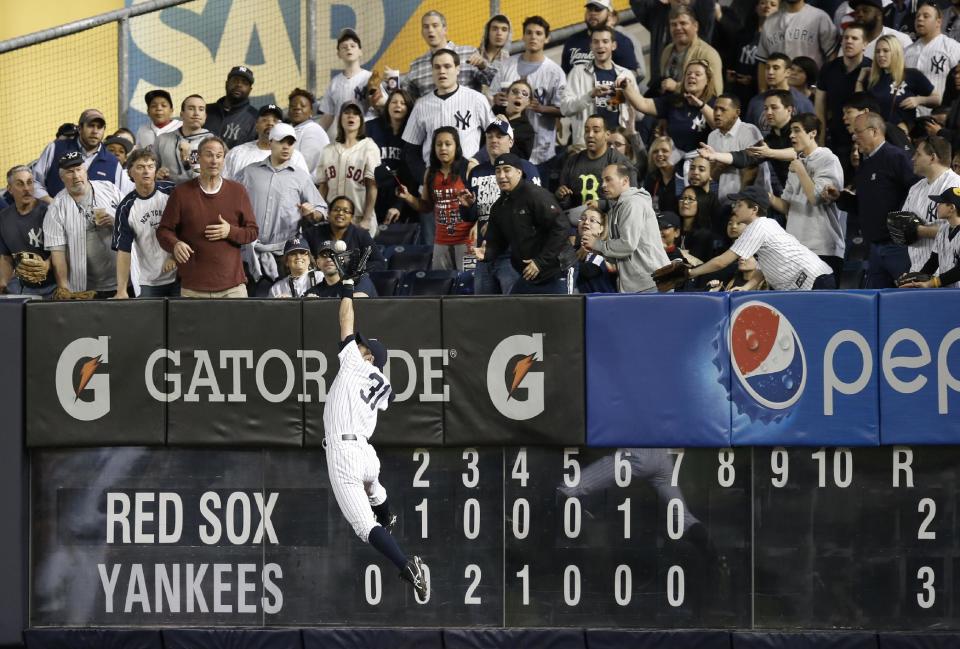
(354, 476)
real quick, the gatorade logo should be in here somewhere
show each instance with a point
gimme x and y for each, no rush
(515, 390)
(83, 388)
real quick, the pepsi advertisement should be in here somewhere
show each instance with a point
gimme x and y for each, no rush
(920, 389)
(657, 370)
(803, 369)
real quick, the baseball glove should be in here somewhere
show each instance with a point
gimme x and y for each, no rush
(31, 268)
(910, 278)
(669, 277)
(903, 227)
(64, 294)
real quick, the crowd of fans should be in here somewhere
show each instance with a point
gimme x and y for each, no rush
(765, 148)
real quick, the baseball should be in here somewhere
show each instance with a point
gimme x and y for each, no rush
(339, 246)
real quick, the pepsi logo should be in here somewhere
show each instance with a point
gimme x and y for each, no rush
(767, 355)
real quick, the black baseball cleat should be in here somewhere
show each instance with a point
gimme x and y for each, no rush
(413, 572)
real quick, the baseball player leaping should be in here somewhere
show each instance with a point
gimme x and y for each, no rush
(356, 395)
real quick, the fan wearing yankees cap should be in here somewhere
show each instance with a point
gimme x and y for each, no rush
(332, 284)
(101, 165)
(232, 117)
(280, 194)
(78, 229)
(177, 150)
(297, 259)
(527, 219)
(160, 111)
(942, 269)
(784, 262)
(248, 153)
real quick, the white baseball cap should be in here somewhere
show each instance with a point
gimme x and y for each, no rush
(281, 131)
(603, 4)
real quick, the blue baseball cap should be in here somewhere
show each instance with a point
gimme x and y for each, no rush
(296, 244)
(376, 348)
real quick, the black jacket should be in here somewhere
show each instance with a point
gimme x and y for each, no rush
(235, 125)
(530, 222)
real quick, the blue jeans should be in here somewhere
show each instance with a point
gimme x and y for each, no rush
(888, 261)
(556, 286)
(495, 278)
(428, 228)
(166, 290)
(16, 287)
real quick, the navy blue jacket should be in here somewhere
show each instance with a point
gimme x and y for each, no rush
(103, 167)
(882, 183)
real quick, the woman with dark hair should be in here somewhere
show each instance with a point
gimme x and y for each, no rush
(347, 167)
(443, 183)
(311, 138)
(802, 75)
(518, 101)
(387, 132)
(661, 182)
(697, 210)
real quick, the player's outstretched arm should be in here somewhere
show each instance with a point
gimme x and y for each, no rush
(346, 317)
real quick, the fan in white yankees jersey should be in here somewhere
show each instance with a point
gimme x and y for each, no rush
(449, 105)
(349, 85)
(359, 391)
(930, 160)
(945, 257)
(933, 53)
(545, 78)
(784, 262)
(138, 216)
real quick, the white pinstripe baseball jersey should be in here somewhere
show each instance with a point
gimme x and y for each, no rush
(947, 247)
(919, 203)
(356, 395)
(935, 60)
(65, 224)
(786, 263)
(466, 110)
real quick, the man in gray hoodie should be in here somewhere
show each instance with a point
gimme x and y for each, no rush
(634, 237)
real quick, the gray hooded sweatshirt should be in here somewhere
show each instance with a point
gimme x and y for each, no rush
(633, 241)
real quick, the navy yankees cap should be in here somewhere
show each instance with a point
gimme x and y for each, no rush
(153, 94)
(241, 71)
(950, 196)
(376, 348)
(501, 124)
(70, 159)
(294, 245)
(509, 159)
(752, 193)
(873, 3)
(67, 130)
(271, 109)
(349, 34)
(668, 220)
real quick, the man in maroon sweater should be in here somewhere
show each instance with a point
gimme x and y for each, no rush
(205, 222)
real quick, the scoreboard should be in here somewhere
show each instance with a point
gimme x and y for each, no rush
(740, 538)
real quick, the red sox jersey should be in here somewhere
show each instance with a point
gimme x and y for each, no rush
(356, 396)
